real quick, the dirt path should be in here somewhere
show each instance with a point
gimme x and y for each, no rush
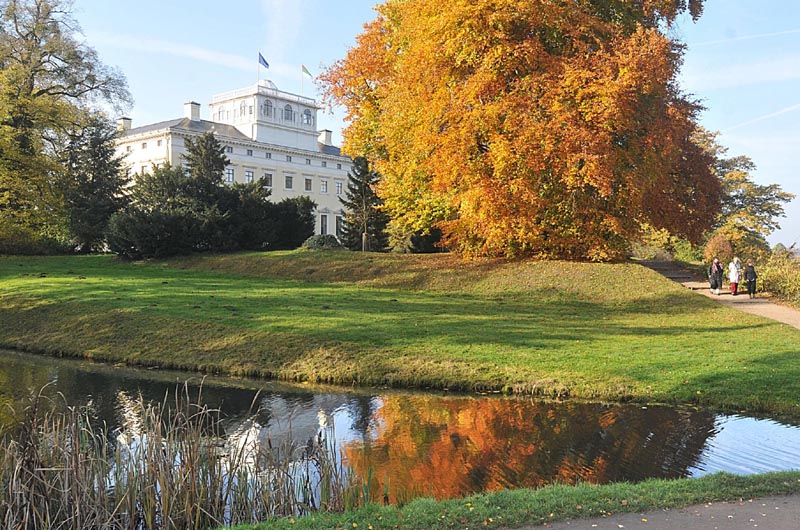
(761, 305)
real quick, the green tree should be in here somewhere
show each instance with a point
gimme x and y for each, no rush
(205, 162)
(49, 79)
(294, 221)
(749, 211)
(364, 222)
(95, 183)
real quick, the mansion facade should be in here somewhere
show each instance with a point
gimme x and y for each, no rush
(267, 134)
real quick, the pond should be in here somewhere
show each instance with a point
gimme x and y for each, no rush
(438, 445)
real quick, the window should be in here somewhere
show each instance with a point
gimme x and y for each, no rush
(338, 187)
(323, 186)
(324, 163)
(339, 226)
(269, 155)
(308, 161)
(249, 152)
(144, 170)
(287, 181)
(268, 180)
(242, 107)
(338, 166)
(228, 149)
(323, 224)
(308, 184)
(288, 114)
(308, 119)
(128, 149)
(158, 143)
(144, 145)
(229, 175)
(288, 158)
(248, 175)
(250, 110)
(268, 111)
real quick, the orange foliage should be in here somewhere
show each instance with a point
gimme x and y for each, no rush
(454, 447)
(527, 128)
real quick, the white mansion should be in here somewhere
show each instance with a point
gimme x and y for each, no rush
(266, 133)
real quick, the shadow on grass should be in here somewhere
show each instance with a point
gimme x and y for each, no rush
(154, 315)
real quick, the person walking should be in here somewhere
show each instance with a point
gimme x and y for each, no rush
(750, 277)
(735, 275)
(715, 272)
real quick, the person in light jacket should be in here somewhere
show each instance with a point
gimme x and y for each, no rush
(735, 275)
(715, 272)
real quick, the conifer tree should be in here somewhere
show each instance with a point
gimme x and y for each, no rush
(95, 183)
(364, 222)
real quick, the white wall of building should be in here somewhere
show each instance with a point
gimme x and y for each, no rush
(286, 152)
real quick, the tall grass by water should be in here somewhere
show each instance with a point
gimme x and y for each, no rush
(171, 468)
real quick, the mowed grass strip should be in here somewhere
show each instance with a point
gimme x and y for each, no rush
(597, 331)
(526, 508)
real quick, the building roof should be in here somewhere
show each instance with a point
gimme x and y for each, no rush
(329, 149)
(219, 129)
(198, 126)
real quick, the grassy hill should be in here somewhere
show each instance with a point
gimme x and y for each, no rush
(599, 331)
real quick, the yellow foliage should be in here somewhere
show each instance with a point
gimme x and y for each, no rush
(526, 128)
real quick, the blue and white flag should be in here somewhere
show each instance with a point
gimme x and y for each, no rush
(263, 62)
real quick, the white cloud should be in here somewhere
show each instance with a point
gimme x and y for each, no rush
(754, 36)
(150, 45)
(764, 117)
(284, 19)
(704, 77)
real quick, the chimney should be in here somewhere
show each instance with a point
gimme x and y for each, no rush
(191, 110)
(123, 124)
(325, 137)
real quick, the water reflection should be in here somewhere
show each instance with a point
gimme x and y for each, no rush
(441, 446)
(451, 447)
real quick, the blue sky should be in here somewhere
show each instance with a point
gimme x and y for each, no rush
(742, 62)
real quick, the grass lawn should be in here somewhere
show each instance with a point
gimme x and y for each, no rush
(518, 508)
(598, 331)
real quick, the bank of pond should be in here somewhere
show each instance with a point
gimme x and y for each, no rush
(238, 451)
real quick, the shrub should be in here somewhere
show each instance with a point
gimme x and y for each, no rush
(718, 246)
(18, 239)
(778, 276)
(135, 234)
(322, 242)
(684, 251)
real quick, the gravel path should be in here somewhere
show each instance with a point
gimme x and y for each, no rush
(761, 305)
(768, 513)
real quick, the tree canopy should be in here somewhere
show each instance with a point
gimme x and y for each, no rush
(49, 82)
(749, 211)
(527, 127)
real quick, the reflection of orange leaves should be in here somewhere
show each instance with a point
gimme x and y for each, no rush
(453, 447)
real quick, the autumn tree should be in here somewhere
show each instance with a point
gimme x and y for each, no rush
(527, 128)
(749, 211)
(49, 79)
(364, 221)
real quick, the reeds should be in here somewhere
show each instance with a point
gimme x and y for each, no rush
(171, 466)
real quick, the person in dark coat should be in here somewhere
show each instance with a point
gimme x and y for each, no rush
(715, 273)
(750, 278)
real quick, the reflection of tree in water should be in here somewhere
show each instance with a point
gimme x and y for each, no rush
(453, 447)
